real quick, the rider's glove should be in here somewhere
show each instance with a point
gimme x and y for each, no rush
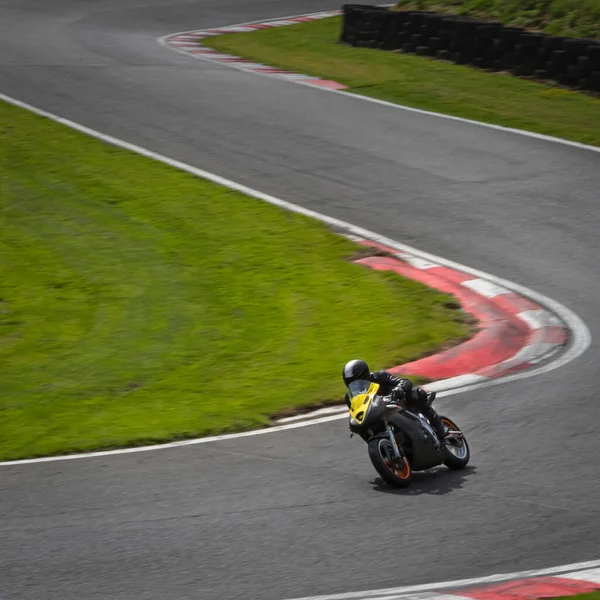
(421, 394)
(398, 394)
(406, 386)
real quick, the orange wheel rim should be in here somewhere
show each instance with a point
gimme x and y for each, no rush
(402, 473)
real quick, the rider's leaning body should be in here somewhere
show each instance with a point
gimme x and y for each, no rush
(399, 389)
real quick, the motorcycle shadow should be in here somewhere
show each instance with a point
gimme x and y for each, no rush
(437, 481)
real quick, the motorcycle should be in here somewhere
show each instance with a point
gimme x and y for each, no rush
(401, 440)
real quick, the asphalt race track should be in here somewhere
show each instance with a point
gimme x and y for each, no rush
(290, 514)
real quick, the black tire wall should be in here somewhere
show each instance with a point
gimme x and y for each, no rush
(488, 45)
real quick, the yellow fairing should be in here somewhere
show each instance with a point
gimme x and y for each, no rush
(360, 403)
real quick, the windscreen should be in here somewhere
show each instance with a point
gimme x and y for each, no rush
(360, 386)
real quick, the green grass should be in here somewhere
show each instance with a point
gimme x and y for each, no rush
(498, 98)
(590, 596)
(139, 303)
(571, 18)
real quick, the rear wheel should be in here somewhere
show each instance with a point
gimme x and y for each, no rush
(456, 448)
(396, 472)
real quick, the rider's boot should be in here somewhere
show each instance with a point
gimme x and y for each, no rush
(436, 422)
(420, 399)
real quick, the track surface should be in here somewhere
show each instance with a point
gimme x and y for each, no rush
(289, 514)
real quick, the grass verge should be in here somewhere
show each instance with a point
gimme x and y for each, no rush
(141, 304)
(420, 82)
(570, 18)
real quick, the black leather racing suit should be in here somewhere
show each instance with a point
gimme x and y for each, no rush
(408, 396)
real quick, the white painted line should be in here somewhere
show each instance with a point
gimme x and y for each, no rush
(278, 24)
(192, 46)
(164, 41)
(455, 382)
(580, 333)
(531, 353)
(180, 444)
(221, 56)
(448, 585)
(537, 319)
(422, 596)
(326, 14)
(486, 288)
(237, 29)
(442, 596)
(315, 413)
(353, 238)
(551, 349)
(299, 77)
(591, 575)
(530, 134)
(252, 66)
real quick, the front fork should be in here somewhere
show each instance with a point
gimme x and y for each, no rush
(390, 432)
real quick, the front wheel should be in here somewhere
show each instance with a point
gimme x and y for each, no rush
(396, 472)
(456, 447)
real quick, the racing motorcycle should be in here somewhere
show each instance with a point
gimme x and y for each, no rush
(401, 440)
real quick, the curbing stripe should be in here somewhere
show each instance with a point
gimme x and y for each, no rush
(183, 42)
(525, 337)
(528, 354)
(452, 383)
(485, 288)
(539, 319)
(524, 585)
(416, 262)
(540, 587)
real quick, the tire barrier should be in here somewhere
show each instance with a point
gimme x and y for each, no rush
(488, 45)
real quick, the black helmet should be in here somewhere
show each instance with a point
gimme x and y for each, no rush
(355, 369)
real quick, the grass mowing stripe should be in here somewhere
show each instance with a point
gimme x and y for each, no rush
(140, 304)
(419, 82)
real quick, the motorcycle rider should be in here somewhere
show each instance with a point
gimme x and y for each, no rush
(400, 390)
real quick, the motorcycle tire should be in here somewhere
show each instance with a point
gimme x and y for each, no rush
(381, 459)
(458, 457)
